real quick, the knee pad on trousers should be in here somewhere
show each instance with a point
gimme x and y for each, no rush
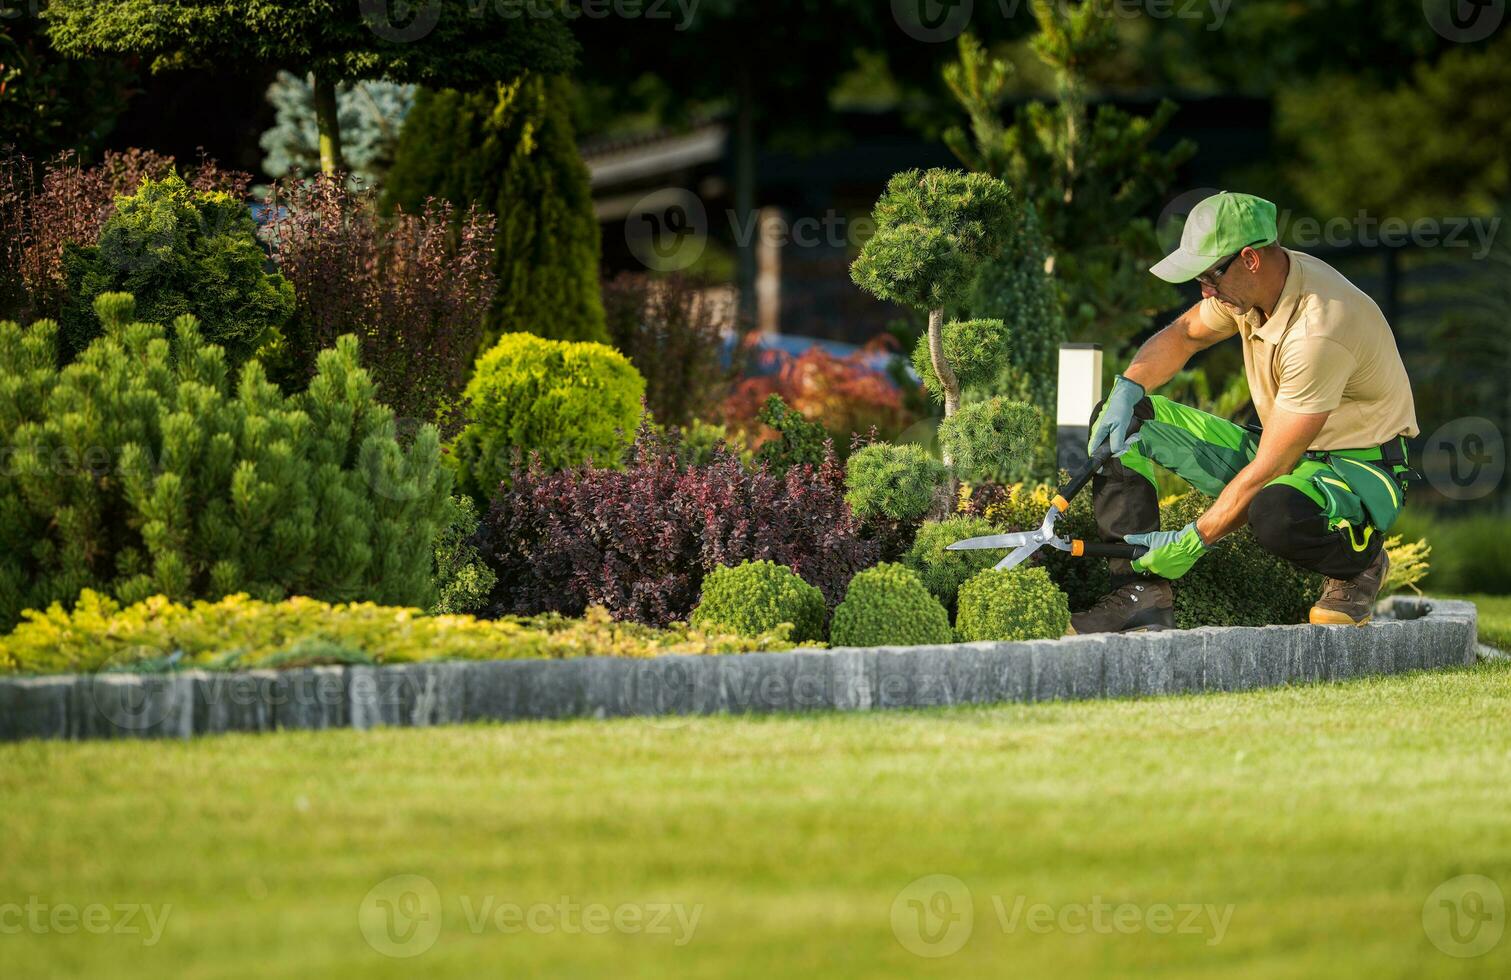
(1277, 513)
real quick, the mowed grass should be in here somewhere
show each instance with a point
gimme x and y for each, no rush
(1494, 619)
(1291, 833)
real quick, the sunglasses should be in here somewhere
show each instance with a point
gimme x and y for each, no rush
(1211, 277)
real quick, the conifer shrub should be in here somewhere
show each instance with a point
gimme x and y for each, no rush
(1015, 604)
(146, 468)
(639, 540)
(179, 251)
(897, 482)
(463, 581)
(562, 403)
(888, 605)
(1023, 507)
(1238, 583)
(238, 632)
(942, 571)
(756, 597)
(988, 439)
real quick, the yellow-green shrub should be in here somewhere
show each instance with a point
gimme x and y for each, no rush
(1016, 604)
(238, 632)
(756, 597)
(888, 605)
(566, 402)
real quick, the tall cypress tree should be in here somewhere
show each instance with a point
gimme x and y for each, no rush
(510, 149)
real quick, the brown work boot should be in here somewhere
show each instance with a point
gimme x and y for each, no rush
(1352, 602)
(1148, 605)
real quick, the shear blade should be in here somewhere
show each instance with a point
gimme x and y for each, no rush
(1017, 558)
(1017, 540)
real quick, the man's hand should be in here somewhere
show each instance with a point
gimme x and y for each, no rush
(1116, 416)
(1286, 436)
(1171, 553)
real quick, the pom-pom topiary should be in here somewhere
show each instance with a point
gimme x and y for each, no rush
(1017, 604)
(888, 605)
(985, 439)
(945, 571)
(976, 349)
(896, 482)
(566, 402)
(755, 597)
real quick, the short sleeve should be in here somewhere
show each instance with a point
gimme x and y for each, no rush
(1216, 318)
(1313, 373)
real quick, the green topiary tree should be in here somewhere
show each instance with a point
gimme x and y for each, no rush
(135, 471)
(510, 150)
(566, 403)
(895, 482)
(1017, 604)
(888, 605)
(442, 42)
(755, 597)
(945, 571)
(986, 438)
(179, 251)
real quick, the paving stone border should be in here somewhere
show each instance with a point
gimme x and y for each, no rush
(1410, 634)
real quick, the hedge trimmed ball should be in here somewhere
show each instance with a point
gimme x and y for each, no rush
(755, 597)
(888, 605)
(1015, 604)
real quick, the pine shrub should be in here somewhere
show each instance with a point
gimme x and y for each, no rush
(136, 471)
(888, 605)
(639, 540)
(463, 581)
(755, 597)
(510, 150)
(945, 571)
(975, 349)
(1016, 604)
(798, 441)
(895, 482)
(179, 251)
(987, 440)
(562, 403)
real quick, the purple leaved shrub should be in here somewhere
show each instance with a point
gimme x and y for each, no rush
(640, 539)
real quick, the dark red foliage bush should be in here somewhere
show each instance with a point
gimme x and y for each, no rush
(44, 207)
(638, 541)
(413, 287)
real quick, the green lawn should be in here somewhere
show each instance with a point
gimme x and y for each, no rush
(1288, 833)
(1494, 619)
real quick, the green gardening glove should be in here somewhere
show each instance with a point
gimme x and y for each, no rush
(1171, 553)
(1116, 416)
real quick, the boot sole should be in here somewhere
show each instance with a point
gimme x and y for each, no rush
(1332, 617)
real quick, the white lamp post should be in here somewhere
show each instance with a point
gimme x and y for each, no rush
(1080, 390)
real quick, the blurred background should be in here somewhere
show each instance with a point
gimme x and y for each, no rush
(715, 162)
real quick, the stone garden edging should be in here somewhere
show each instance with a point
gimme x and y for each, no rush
(1412, 634)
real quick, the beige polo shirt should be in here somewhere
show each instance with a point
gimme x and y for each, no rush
(1326, 349)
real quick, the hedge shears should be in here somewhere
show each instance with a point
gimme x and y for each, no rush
(1025, 543)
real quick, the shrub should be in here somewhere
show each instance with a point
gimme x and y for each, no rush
(975, 349)
(1023, 508)
(846, 395)
(798, 441)
(179, 251)
(413, 287)
(463, 581)
(990, 440)
(945, 571)
(564, 403)
(672, 331)
(44, 207)
(1408, 564)
(897, 482)
(1468, 553)
(239, 632)
(1238, 583)
(755, 597)
(510, 150)
(132, 472)
(1017, 604)
(888, 605)
(639, 541)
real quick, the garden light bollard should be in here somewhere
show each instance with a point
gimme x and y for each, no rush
(1080, 388)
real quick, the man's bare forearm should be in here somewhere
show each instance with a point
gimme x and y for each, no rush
(1161, 357)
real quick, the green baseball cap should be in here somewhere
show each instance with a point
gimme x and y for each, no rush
(1220, 226)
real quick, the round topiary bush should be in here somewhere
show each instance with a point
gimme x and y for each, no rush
(755, 597)
(896, 482)
(888, 605)
(1018, 604)
(566, 402)
(988, 440)
(943, 572)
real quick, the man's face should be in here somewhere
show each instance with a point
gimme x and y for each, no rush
(1231, 281)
